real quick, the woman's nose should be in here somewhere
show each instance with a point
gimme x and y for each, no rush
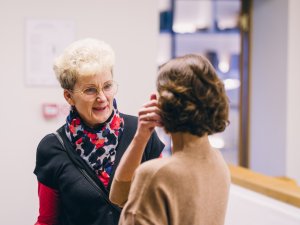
(101, 96)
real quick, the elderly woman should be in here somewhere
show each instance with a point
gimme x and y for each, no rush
(75, 166)
(190, 187)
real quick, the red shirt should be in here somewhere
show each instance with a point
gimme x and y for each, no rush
(49, 205)
(49, 202)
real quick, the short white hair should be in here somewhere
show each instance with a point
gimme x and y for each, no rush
(84, 57)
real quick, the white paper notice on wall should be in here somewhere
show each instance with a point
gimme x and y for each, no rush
(45, 39)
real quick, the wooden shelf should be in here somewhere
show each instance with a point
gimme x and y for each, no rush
(282, 189)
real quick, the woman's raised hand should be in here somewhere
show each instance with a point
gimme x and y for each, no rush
(149, 118)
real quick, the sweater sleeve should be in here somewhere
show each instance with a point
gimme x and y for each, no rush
(148, 199)
(49, 205)
(50, 159)
(120, 192)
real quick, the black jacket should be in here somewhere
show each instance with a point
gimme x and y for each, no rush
(83, 197)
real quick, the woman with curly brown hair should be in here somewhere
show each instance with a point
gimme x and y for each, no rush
(191, 187)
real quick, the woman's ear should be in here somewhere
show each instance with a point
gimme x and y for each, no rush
(68, 97)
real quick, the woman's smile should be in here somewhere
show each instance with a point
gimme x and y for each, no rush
(99, 108)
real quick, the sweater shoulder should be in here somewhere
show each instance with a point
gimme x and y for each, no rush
(50, 156)
(49, 144)
(156, 169)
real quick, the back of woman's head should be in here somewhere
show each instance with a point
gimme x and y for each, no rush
(192, 97)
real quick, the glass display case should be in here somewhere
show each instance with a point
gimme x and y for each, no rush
(211, 28)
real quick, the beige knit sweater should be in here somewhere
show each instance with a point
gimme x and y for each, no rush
(188, 188)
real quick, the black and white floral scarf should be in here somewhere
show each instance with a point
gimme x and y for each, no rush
(96, 146)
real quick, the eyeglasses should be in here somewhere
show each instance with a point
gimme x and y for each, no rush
(109, 88)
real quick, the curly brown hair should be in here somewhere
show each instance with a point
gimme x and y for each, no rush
(192, 97)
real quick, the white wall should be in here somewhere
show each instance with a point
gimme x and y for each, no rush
(130, 26)
(247, 207)
(293, 92)
(268, 87)
(275, 105)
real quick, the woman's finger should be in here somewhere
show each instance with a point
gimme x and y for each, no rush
(153, 109)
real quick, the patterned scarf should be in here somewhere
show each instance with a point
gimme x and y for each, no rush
(96, 146)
